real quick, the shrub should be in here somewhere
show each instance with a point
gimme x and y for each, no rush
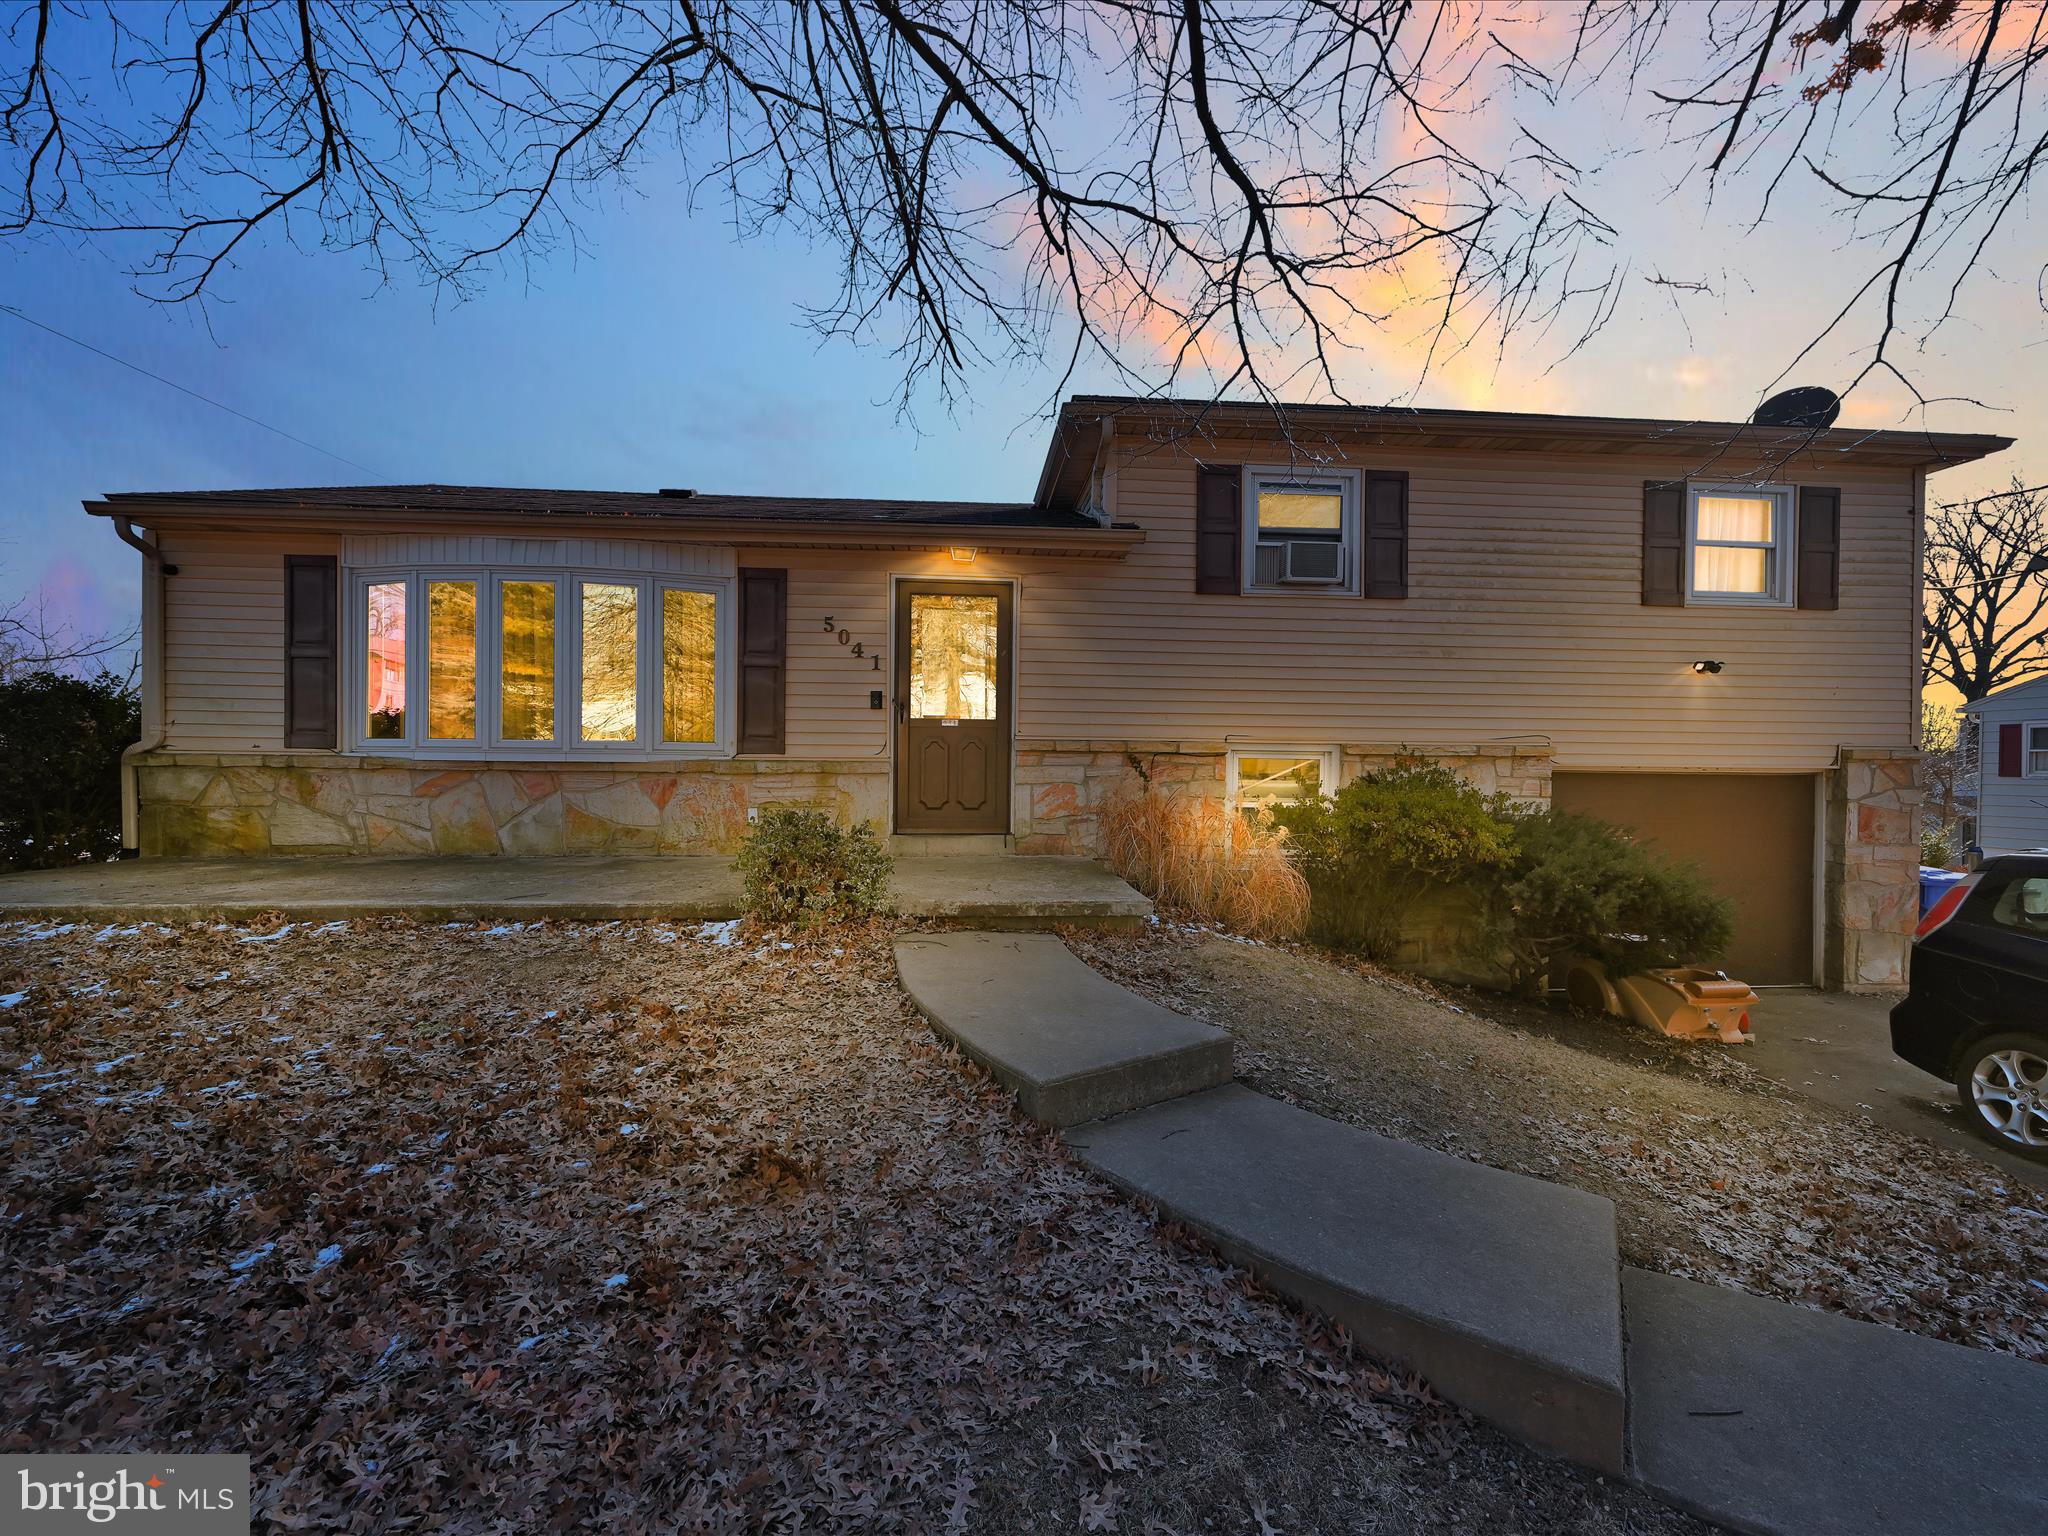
(1574, 885)
(1938, 848)
(1192, 854)
(1386, 838)
(802, 867)
(60, 767)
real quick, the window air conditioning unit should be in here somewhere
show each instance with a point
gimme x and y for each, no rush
(1312, 562)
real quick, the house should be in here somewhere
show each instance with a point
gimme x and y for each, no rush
(1706, 631)
(2012, 767)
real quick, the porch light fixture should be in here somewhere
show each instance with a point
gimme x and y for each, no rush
(963, 553)
(1704, 667)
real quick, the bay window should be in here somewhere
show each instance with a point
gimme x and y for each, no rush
(539, 664)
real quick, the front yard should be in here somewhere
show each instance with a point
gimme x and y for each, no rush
(651, 1229)
(1717, 1173)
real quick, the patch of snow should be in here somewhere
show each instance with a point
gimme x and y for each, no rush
(526, 1344)
(615, 1282)
(379, 1168)
(629, 1128)
(331, 1254)
(339, 925)
(233, 1082)
(14, 999)
(34, 1061)
(252, 1258)
(105, 1067)
(724, 934)
(280, 1039)
(57, 932)
(268, 938)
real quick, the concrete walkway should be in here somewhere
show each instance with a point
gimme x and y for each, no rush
(1837, 1047)
(1507, 1293)
(993, 890)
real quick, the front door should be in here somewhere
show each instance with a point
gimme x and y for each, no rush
(952, 707)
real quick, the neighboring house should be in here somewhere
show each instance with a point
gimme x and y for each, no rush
(2012, 767)
(1706, 631)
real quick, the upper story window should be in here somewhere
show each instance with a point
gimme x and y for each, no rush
(2037, 751)
(1301, 530)
(1738, 539)
(525, 663)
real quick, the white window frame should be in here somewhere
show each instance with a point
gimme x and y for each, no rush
(1779, 558)
(1350, 533)
(567, 745)
(1332, 765)
(2027, 768)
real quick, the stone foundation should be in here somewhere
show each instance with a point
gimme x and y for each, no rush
(1061, 786)
(257, 804)
(1872, 868)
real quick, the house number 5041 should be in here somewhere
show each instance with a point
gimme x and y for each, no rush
(845, 637)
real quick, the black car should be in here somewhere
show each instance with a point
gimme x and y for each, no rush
(1977, 1011)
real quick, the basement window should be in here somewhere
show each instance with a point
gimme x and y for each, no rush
(1260, 778)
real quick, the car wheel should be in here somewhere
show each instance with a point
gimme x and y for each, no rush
(2003, 1083)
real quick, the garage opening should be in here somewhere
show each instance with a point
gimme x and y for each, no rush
(1752, 836)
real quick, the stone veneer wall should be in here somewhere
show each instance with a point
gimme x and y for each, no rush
(1872, 868)
(1062, 785)
(252, 804)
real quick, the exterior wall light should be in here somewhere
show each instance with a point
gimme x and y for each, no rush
(1704, 667)
(964, 553)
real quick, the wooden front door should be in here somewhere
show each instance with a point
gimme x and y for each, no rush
(953, 707)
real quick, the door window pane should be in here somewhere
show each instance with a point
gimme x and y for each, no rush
(611, 692)
(451, 660)
(526, 624)
(384, 704)
(689, 630)
(952, 657)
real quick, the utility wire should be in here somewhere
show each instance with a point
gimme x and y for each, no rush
(181, 389)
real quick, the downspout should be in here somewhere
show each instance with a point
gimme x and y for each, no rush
(154, 569)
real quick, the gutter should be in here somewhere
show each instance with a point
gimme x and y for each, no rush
(154, 569)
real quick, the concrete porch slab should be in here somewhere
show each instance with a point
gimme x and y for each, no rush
(1070, 1044)
(995, 890)
(1783, 1421)
(1502, 1290)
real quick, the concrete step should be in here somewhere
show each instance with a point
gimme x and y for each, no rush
(1502, 1291)
(949, 845)
(1005, 891)
(1777, 1419)
(1071, 1045)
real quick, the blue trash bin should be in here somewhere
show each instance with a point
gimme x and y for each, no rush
(1933, 882)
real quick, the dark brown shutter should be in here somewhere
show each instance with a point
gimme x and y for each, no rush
(1820, 547)
(2009, 764)
(1219, 531)
(764, 658)
(311, 654)
(1386, 533)
(1664, 543)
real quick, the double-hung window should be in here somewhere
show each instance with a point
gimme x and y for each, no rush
(1301, 530)
(1738, 544)
(516, 663)
(2037, 750)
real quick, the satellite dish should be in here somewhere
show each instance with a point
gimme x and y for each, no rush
(1811, 408)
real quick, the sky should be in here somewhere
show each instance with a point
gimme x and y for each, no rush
(668, 352)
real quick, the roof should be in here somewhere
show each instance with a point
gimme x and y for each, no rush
(671, 506)
(1070, 457)
(2004, 695)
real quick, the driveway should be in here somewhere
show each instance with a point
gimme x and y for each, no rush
(1837, 1048)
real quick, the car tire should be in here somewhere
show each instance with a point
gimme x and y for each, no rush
(2002, 1081)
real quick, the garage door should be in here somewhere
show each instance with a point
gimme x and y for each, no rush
(1751, 834)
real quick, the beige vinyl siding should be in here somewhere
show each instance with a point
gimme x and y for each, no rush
(1524, 619)
(224, 639)
(827, 699)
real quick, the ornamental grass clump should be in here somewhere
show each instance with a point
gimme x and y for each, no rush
(1195, 856)
(1389, 837)
(802, 867)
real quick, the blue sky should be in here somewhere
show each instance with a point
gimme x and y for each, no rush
(668, 353)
